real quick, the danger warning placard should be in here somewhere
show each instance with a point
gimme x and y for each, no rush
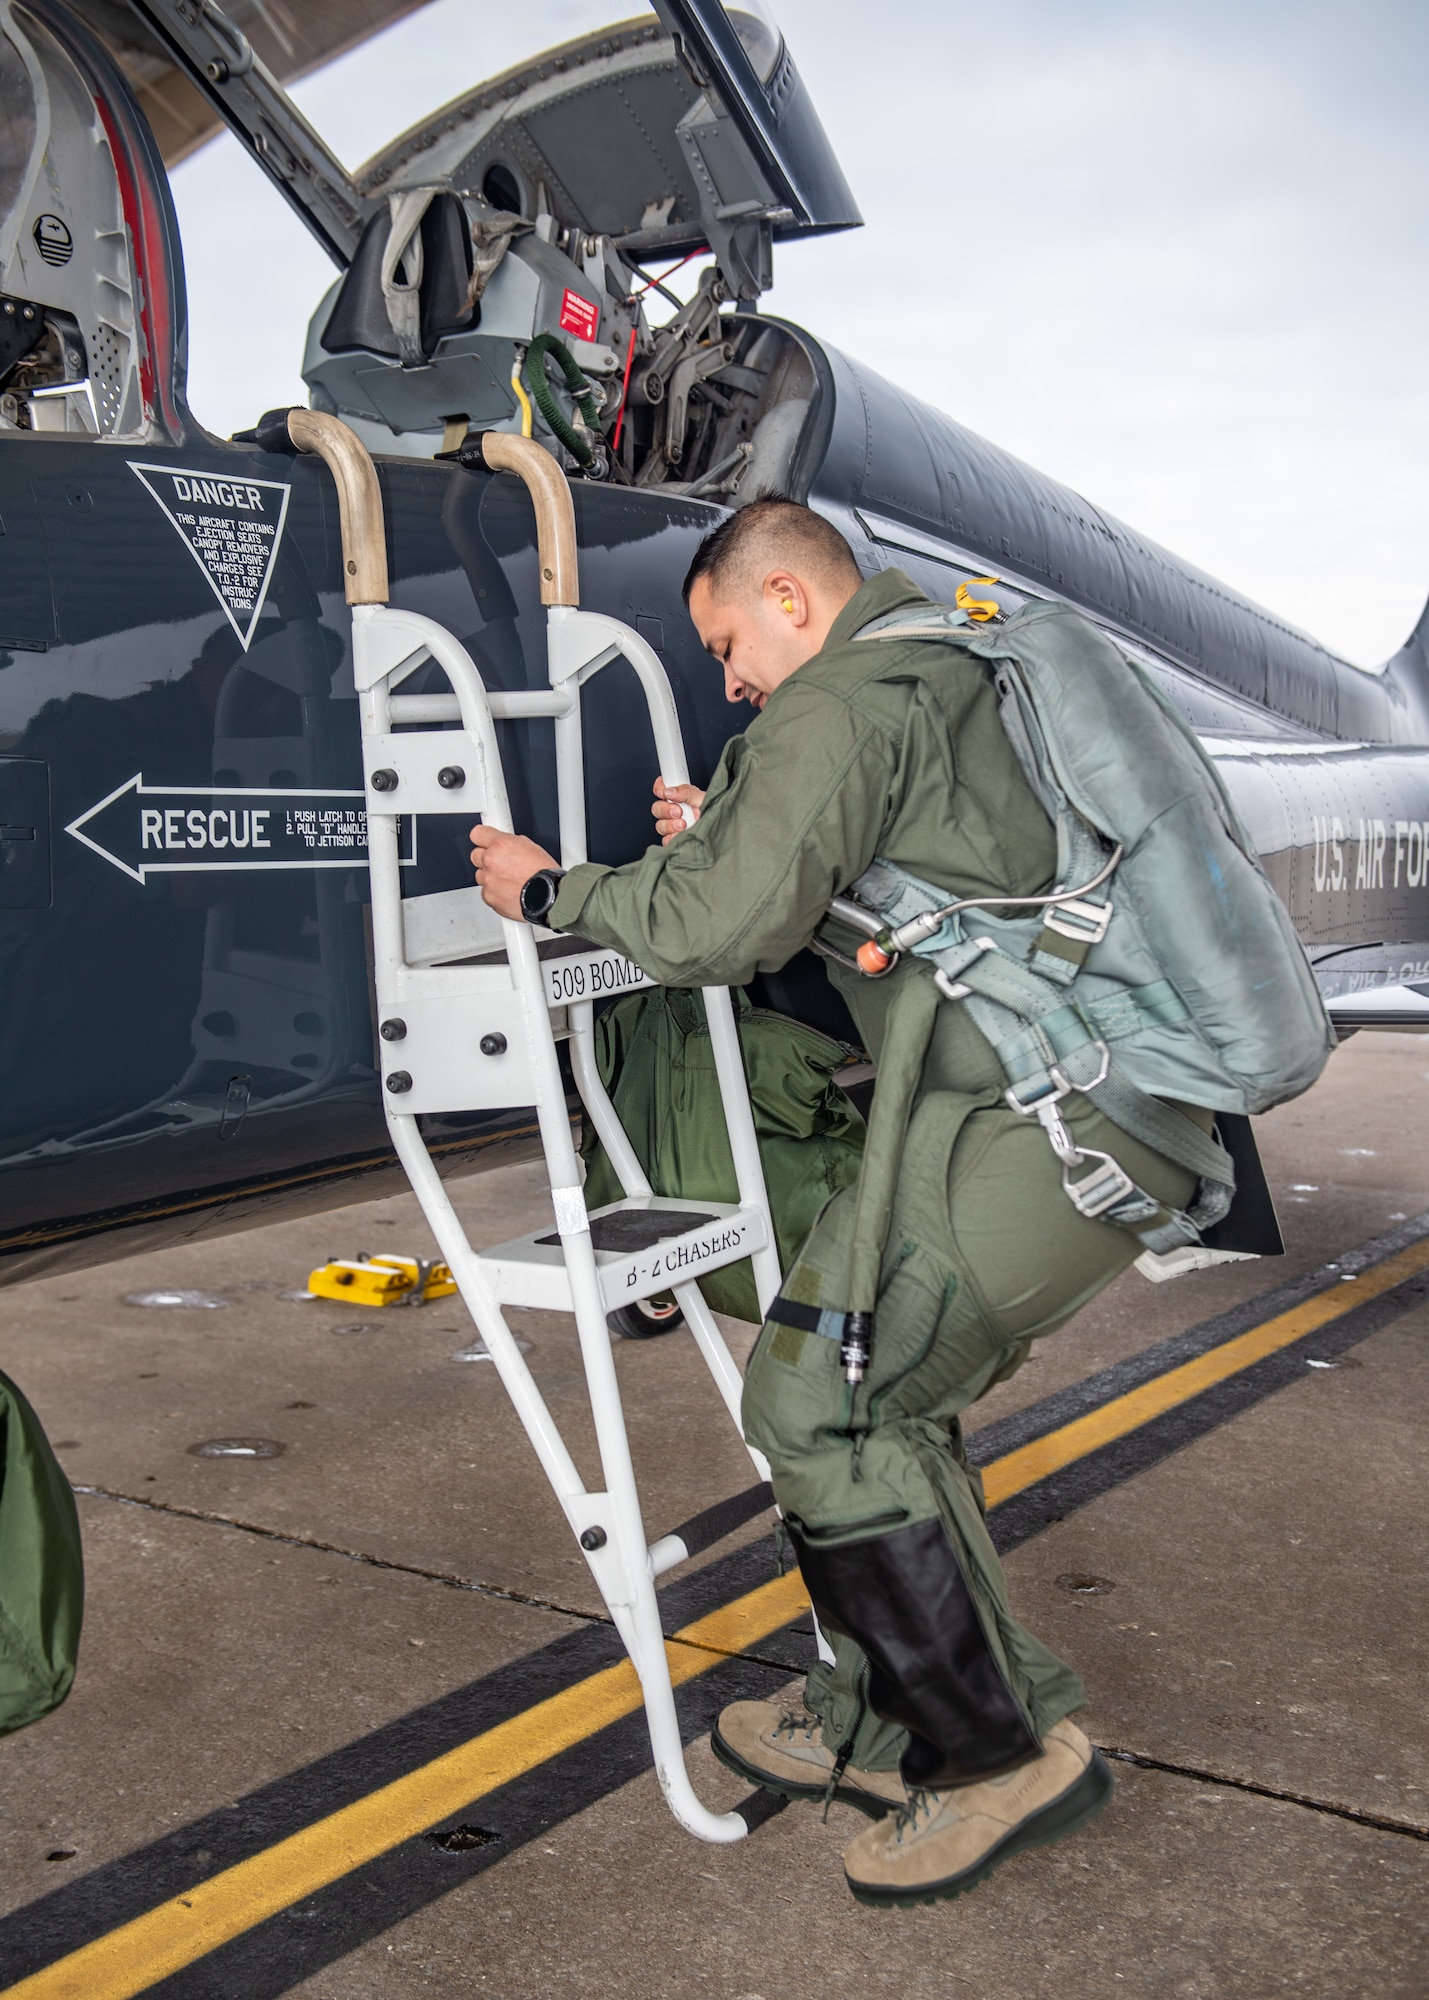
(231, 528)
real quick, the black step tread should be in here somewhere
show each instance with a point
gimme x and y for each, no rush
(637, 1228)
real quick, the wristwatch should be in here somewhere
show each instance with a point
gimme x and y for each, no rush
(539, 892)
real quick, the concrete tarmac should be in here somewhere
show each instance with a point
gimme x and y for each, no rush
(269, 1638)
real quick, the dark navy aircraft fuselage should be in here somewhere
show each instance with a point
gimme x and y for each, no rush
(186, 1033)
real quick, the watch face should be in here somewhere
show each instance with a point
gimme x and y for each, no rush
(537, 895)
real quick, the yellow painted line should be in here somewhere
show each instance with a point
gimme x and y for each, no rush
(164, 1940)
(137, 1955)
(1024, 1467)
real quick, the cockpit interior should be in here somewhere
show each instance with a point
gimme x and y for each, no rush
(503, 264)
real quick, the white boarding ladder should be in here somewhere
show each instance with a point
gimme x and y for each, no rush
(482, 1034)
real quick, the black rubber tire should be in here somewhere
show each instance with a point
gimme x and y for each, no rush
(645, 1319)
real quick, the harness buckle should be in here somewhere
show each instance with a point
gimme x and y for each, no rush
(957, 989)
(1101, 1189)
(1058, 1085)
(1058, 1076)
(1045, 1108)
(1082, 921)
(1047, 1095)
(1050, 1118)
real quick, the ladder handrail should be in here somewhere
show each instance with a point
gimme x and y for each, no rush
(555, 511)
(359, 500)
(565, 621)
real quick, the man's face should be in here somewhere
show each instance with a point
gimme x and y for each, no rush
(756, 639)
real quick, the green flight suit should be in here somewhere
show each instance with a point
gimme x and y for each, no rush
(893, 750)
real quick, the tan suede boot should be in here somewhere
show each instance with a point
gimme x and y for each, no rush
(780, 1746)
(944, 1842)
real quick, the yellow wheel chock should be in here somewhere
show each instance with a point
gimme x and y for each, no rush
(381, 1281)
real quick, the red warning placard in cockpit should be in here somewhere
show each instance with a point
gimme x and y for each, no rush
(579, 316)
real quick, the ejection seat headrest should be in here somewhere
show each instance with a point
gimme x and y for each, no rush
(360, 317)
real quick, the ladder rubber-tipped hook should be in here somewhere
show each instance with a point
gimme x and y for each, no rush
(399, 1081)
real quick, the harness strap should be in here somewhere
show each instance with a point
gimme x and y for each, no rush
(907, 1036)
(1107, 1193)
(1162, 1127)
(1048, 1044)
(1069, 930)
(1050, 1032)
(931, 624)
(1090, 1069)
(402, 272)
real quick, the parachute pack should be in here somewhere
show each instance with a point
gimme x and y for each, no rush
(1163, 965)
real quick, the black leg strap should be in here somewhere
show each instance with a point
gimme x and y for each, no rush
(903, 1598)
(789, 1312)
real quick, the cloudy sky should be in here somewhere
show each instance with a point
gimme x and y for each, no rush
(1173, 252)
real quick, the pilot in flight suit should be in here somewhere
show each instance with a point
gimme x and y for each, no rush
(942, 1716)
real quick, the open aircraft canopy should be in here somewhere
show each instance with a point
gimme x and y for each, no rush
(289, 40)
(665, 132)
(687, 125)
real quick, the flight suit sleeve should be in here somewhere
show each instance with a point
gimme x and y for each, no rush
(793, 816)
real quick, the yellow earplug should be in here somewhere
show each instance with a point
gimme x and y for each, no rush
(788, 604)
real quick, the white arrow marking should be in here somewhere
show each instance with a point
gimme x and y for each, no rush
(76, 826)
(308, 793)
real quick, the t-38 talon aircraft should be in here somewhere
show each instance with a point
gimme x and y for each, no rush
(188, 1039)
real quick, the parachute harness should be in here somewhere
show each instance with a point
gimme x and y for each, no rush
(1013, 977)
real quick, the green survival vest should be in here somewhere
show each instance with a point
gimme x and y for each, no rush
(41, 1569)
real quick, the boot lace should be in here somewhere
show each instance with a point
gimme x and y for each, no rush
(917, 1809)
(796, 1722)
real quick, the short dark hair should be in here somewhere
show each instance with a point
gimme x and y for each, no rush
(769, 530)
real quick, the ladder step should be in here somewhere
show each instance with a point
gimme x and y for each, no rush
(639, 1228)
(642, 1247)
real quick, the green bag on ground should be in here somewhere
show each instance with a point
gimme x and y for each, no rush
(41, 1569)
(655, 1058)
